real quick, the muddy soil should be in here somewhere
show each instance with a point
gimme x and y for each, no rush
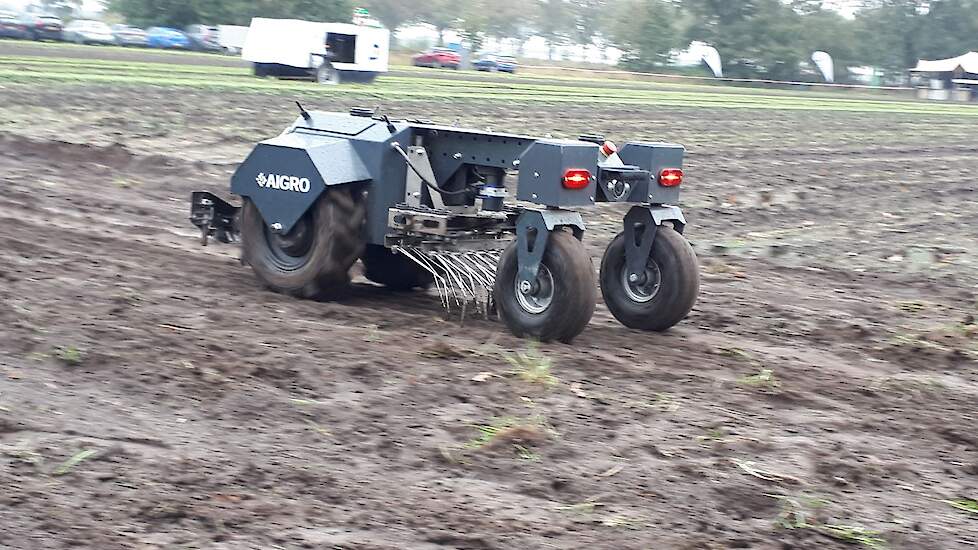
(152, 395)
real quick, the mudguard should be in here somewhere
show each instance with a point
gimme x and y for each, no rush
(285, 175)
(663, 213)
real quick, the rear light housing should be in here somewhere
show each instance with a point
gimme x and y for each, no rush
(671, 177)
(576, 178)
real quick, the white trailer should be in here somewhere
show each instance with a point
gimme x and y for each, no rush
(328, 52)
(232, 38)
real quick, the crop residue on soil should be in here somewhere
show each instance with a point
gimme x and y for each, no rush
(821, 394)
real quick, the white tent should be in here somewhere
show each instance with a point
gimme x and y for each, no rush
(712, 58)
(825, 64)
(967, 62)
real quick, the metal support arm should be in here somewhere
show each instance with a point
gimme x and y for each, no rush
(641, 225)
(533, 228)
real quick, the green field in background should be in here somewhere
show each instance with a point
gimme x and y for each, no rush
(423, 84)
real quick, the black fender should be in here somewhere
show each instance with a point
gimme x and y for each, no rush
(285, 175)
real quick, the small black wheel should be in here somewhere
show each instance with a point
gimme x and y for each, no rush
(395, 271)
(312, 260)
(327, 74)
(560, 303)
(663, 295)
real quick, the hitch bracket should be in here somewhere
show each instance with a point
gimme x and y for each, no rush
(214, 216)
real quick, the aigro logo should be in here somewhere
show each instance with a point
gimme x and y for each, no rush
(283, 182)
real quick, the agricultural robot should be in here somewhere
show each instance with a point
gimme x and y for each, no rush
(424, 205)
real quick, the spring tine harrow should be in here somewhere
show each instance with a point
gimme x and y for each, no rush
(461, 277)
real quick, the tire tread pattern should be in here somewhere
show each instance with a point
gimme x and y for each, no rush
(679, 286)
(574, 298)
(338, 218)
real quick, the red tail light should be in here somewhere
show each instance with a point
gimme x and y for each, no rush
(670, 177)
(576, 178)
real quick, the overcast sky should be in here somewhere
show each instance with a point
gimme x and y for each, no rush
(847, 7)
(89, 5)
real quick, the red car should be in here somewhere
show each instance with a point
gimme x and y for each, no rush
(437, 58)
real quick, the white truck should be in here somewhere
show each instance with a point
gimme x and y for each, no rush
(232, 38)
(328, 52)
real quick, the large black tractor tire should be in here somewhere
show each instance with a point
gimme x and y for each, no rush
(313, 260)
(668, 290)
(562, 303)
(395, 271)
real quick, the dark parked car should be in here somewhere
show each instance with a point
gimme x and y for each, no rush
(501, 63)
(437, 58)
(165, 37)
(203, 38)
(42, 27)
(11, 27)
(126, 35)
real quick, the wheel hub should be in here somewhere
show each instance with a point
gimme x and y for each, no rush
(642, 287)
(535, 297)
(296, 242)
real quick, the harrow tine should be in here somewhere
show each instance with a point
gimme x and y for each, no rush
(457, 285)
(487, 267)
(461, 277)
(478, 277)
(460, 261)
(418, 257)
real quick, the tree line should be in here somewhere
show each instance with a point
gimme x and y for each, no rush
(756, 38)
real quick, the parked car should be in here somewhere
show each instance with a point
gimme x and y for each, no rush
(11, 27)
(126, 35)
(437, 58)
(85, 31)
(165, 37)
(42, 27)
(501, 63)
(203, 38)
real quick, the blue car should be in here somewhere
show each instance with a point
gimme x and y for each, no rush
(165, 37)
(501, 63)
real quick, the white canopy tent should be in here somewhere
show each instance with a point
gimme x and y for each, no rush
(968, 63)
(950, 79)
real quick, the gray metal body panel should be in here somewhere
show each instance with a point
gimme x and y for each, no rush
(542, 168)
(451, 148)
(337, 148)
(654, 157)
(329, 149)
